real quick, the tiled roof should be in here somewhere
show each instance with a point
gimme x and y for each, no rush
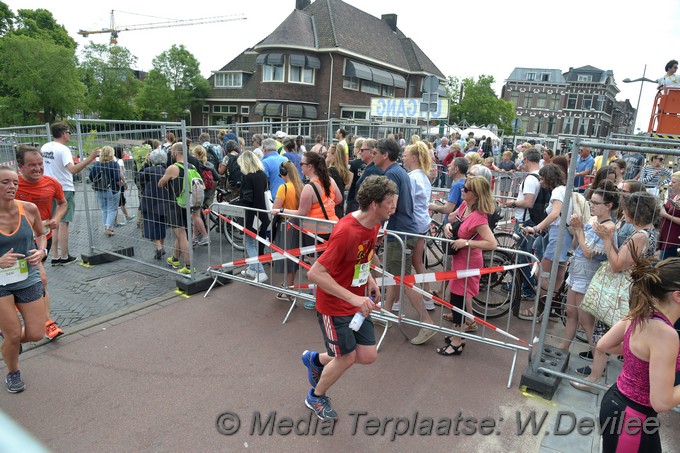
(328, 24)
(599, 75)
(520, 74)
(243, 62)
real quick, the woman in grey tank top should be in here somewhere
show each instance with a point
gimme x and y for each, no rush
(22, 248)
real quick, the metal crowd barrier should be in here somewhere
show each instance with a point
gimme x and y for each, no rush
(309, 245)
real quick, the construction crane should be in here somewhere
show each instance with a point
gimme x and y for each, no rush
(114, 30)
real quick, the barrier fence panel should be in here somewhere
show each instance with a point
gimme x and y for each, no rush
(540, 376)
(127, 214)
(300, 239)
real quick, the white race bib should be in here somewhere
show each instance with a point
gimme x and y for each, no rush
(14, 274)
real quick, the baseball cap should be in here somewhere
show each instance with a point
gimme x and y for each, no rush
(280, 134)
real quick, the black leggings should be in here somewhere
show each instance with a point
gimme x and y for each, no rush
(617, 438)
(458, 302)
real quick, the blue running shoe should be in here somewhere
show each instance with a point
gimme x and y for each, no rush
(16, 385)
(313, 371)
(584, 371)
(321, 405)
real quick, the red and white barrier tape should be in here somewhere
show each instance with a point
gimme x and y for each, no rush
(269, 257)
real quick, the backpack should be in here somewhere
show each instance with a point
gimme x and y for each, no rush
(537, 212)
(234, 171)
(208, 180)
(214, 155)
(196, 186)
(100, 181)
(495, 217)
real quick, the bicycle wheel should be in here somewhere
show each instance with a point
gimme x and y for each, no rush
(496, 291)
(231, 233)
(505, 240)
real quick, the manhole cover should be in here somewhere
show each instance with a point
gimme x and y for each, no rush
(123, 281)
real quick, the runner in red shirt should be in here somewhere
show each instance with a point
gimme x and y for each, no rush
(343, 279)
(46, 193)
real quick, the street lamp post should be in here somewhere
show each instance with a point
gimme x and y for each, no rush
(642, 79)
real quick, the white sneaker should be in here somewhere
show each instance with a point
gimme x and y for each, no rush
(249, 273)
(396, 306)
(205, 240)
(429, 304)
(261, 277)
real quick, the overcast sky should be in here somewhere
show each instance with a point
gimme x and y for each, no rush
(463, 38)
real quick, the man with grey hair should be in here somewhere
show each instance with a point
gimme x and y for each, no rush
(272, 162)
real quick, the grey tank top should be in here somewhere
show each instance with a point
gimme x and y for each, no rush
(21, 240)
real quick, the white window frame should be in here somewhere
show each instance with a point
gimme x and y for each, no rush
(225, 109)
(205, 109)
(584, 77)
(531, 76)
(569, 97)
(298, 74)
(544, 77)
(229, 80)
(587, 99)
(370, 87)
(245, 110)
(387, 91)
(568, 122)
(270, 73)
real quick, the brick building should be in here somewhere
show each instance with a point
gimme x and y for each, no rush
(326, 60)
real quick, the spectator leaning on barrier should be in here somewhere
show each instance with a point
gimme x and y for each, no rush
(344, 287)
(457, 171)
(385, 155)
(46, 193)
(59, 164)
(584, 167)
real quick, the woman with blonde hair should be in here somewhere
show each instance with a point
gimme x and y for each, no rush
(418, 162)
(253, 186)
(337, 169)
(474, 158)
(105, 176)
(473, 235)
(287, 197)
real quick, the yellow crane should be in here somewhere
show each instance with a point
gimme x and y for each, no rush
(114, 30)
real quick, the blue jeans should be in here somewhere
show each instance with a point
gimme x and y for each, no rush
(108, 203)
(251, 246)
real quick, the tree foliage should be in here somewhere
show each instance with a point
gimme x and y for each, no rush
(40, 24)
(478, 103)
(36, 76)
(173, 85)
(111, 84)
(6, 19)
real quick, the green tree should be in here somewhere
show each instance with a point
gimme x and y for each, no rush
(479, 105)
(174, 84)
(36, 76)
(111, 84)
(40, 24)
(6, 19)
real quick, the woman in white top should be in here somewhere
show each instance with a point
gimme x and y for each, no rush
(670, 79)
(552, 177)
(418, 162)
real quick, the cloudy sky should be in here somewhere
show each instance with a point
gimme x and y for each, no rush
(464, 39)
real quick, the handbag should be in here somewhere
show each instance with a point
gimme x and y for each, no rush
(608, 295)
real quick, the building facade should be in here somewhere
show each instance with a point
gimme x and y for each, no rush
(580, 102)
(311, 68)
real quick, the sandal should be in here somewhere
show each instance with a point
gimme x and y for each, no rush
(450, 350)
(447, 316)
(528, 314)
(471, 326)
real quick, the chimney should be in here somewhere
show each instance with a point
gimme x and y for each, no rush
(302, 4)
(391, 20)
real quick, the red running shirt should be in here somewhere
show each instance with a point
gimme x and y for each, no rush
(351, 244)
(41, 194)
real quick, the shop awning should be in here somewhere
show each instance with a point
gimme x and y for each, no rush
(381, 76)
(269, 58)
(305, 61)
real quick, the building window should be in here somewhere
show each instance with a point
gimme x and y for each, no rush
(571, 101)
(245, 110)
(514, 98)
(352, 114)
(527, 100)
(587, 101)
(551, 125)
(555, 102)
(229, 80)
(545, 77)
(538, 121)
(297, 74)
(542, 101)
(531, 76)
(584, 78)
(206, 109)
(272, 73)
(225, 109)
(350, 83)
(370, 87)
(568, 125)
(600, 103)
(596, 127)
(583, 126)
(388, 91)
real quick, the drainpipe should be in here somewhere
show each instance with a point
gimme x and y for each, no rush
(330, 96)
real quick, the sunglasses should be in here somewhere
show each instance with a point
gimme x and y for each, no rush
(467, 189)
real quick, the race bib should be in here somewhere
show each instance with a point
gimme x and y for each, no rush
(14, 274)
(361, 272)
